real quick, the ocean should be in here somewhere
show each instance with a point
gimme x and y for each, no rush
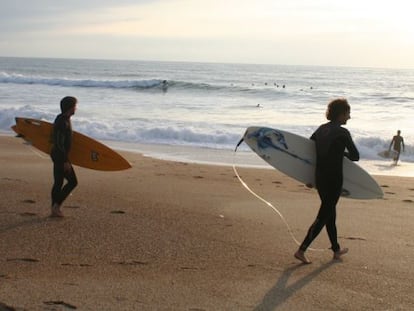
(197, 112)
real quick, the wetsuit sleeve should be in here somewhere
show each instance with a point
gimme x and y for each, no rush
(60, 140)
(352, 151)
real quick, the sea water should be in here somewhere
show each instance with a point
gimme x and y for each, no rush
(199, 111)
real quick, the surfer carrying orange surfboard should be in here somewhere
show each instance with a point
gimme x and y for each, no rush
(61, 145)
(331, 140)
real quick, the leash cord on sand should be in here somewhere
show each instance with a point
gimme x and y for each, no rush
(267, 203)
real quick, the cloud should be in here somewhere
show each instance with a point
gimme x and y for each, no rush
(23, 15)
(349, 32)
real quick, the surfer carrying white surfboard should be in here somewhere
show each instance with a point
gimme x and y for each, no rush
(397, 141)
(61, 144)
(331, 141)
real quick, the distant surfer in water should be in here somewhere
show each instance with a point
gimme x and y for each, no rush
(62, 168)
(397, 141)
(164, 85)
(331, 140)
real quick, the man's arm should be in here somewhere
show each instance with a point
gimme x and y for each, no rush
(353, 153)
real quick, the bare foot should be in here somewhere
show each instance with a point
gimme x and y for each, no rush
(301, 256)
(337, 255)
(56, 212)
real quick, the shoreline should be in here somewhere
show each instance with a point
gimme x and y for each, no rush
(242, 158)
(179, 236)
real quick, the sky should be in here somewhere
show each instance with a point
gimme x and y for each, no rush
(362, 33)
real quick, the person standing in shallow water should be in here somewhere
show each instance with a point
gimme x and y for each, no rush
(333, 142)
(61, 144)
(397, 141)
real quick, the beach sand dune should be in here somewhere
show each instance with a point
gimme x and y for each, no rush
(176, 236)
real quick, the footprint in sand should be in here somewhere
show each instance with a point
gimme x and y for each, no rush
(76, 265)
(190, 268)
(354, 238)
(29, 201)
(131, 263)
(408, 201)
(60, 302)
(27, 214)
(23, 259)
(71, 284)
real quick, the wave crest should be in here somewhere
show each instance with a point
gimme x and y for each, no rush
(118, 84)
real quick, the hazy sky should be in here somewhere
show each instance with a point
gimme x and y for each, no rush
(316, 32)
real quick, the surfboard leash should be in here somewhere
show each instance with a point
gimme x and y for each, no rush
(244, 184)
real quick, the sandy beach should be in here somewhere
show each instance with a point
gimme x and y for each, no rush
(176, 236)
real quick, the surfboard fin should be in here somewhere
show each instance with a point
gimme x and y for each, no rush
(14, 128)
(239, 143)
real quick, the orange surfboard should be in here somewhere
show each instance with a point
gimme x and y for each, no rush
(85, 151)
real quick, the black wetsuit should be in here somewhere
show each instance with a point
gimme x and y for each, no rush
(62, 142)
(331, 141)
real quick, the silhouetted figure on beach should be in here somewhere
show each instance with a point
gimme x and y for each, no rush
(397, 141)
(332, 142)
(61, 145)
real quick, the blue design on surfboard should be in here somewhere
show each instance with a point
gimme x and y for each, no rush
(267, 137)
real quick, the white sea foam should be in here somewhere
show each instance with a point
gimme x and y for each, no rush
(195, 135)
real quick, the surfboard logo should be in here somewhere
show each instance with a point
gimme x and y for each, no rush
(271, 138)
(94, 156)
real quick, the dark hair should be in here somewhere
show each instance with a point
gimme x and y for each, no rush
(337, 107)
(67, 103)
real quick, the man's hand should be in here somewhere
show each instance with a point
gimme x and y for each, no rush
(67, 167)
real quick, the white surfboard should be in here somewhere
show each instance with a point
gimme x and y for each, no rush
(295, 156)
(388, 154)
